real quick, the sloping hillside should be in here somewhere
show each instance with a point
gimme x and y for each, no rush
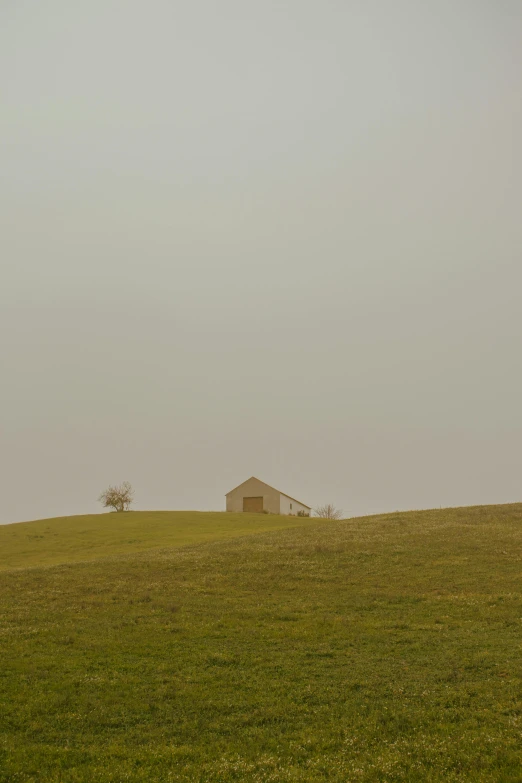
(72, 539)
(377, 649)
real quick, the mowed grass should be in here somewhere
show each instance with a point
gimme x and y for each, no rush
(87, 537)
(379, 649)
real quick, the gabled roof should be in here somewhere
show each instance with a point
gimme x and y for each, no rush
(270, 487)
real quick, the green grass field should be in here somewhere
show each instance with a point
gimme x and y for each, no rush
(88, 537)
(387, 648)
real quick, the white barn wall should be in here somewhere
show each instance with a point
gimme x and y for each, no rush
(290, 506)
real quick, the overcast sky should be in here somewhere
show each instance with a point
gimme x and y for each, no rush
(279, 238)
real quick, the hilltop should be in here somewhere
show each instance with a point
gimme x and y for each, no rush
(91, 536)
(377, 649)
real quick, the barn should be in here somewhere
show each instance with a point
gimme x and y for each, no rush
(254, 496)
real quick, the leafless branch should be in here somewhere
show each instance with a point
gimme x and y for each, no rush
(118, 498)
(328, 511)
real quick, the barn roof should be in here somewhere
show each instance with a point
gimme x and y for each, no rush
(270, 487)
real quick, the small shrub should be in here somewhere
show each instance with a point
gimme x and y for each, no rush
(328, 511)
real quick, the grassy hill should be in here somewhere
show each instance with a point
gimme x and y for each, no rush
(379, 649)
(87, 537)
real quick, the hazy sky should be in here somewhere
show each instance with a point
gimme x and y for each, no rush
(271, 238)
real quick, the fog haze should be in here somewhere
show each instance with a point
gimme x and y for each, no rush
(279, 239)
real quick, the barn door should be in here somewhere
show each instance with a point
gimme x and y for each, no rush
(253, 505)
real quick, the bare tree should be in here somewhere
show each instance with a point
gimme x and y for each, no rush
(118, 498)
(328, 511)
